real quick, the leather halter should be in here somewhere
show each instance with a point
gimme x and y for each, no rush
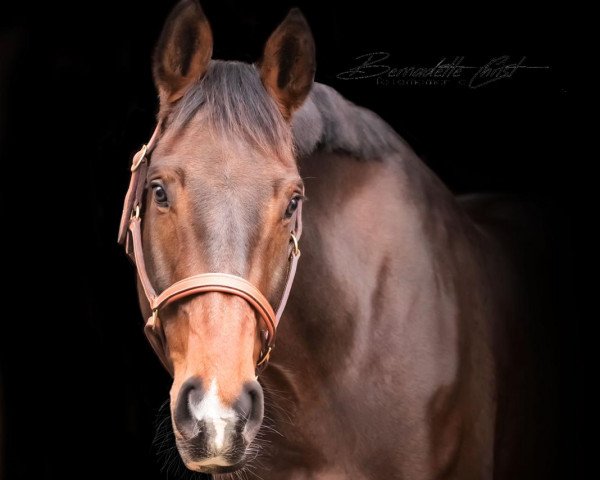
(130, 235)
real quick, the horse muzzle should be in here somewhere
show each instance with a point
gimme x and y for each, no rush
(213, 437)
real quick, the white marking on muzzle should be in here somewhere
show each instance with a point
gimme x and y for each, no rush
(211, 411)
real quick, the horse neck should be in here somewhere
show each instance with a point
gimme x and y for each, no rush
(333, 316)
(328, 124)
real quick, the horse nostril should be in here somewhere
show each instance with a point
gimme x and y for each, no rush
(191, 393)
(199, 414)
(250, 407)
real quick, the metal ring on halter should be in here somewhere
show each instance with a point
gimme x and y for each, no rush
(138, 160)
(296, 250)
(265, 357)
(136, 212)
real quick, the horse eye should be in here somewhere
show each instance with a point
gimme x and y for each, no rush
(291, 208)
(160, 195)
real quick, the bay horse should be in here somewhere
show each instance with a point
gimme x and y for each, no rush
(391, 347)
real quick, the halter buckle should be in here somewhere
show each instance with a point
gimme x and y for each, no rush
(296, 250)
(135, 213)
(265, 357)
(138, 158)
(152, 320)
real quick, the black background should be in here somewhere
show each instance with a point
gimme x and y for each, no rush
(80, 387)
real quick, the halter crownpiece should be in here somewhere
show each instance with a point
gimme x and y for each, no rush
(130, 235)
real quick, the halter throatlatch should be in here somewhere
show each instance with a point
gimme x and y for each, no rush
(130, 235)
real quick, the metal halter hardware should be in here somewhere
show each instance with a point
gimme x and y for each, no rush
(130, 235)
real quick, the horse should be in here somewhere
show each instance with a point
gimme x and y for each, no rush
(391, 355)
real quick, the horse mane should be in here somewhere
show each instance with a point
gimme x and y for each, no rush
(328, 122)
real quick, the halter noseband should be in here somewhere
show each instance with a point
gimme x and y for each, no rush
(130, 235)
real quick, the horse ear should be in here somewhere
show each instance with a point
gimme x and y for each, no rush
(183, 51)
(287, 68)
